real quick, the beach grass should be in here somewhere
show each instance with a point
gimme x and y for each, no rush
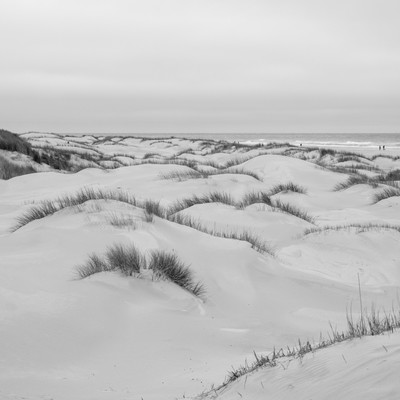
(130, 261)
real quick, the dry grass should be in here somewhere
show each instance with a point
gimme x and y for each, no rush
(9, 170)
(200, 174)
(287, 187)
(50, 207)
(254, 198)
(130, 261)
(386, 193)
(122, 221)
(93, 265)
(168, 266)
(358, 227)
(293, 210)
(212, 197)
(126, 259)
(356, 180)
(256, 242)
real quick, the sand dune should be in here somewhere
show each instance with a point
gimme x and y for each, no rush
(111, 336)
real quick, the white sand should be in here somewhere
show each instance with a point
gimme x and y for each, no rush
(115, 337)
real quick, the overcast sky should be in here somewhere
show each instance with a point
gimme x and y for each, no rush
(200, 65)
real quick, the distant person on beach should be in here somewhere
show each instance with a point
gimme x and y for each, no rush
(383, 147)
(379, 147)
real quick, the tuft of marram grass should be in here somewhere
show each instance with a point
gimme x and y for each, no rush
(152, 207)
(293, 210)
(183, 175)
(256, 242)
(254, 198)
(392, 175)
(130, 261)
(213, 197)
(126, 259)
(287, 187)
(151, 155)
(357, 179)
(39, 211)
(386, 193)
(240, 171)
(50, 207)
(122, 221)
(197, 174)
(358, 227)
(93, 265)
(168, 266)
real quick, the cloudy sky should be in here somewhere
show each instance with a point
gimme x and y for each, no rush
(200, 66)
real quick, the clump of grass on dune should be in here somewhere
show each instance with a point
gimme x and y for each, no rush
(248, 199)
(212, 197)
(256, 242)
(236, 161)
(293, 210)
(287, 187)
(122, 221)
(166, 161)
(228, 165)
(151, 155)
(11, 142)
(241, 171)
(357, 167)
(130, 261)
(394, 158)
(39, 211)
(168, 266)
(386, 193)
(197, 174)
(369, 324)
(254, 198)
(86, 194)
(93, 265)
(356, 180)
(391, 178)
(126, 259)
(10, 170)
(152, 207)
(183, 175)
(338, 169)
(345, 158)
(49, 207)
(219, 197)
(358, 226)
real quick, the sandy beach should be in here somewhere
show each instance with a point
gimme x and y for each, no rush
(283, 240)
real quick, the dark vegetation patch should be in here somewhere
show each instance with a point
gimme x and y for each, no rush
(287, 187)
(130, 261)
(9, 169)
(255, 198)
(386, 193)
